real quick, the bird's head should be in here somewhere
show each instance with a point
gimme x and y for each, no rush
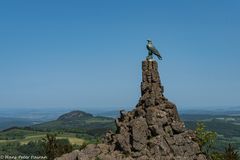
(149, 41)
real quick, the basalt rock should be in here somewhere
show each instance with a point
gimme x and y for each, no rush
(151, 131)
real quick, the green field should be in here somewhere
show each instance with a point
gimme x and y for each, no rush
(19, 141)
(25, 136)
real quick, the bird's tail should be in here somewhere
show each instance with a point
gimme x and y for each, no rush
(159, 57)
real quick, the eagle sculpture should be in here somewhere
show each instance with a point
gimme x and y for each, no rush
(152, 50)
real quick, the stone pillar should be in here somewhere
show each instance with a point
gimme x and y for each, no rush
(151, 88)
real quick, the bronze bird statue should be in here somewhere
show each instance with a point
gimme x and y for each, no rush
(152, 50)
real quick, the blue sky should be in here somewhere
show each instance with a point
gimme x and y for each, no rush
(87, 54)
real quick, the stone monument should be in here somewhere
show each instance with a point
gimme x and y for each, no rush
(151, 131)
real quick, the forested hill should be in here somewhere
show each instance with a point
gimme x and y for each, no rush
(78, 122)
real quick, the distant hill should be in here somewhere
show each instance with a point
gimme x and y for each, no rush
(75, 115)
(78, 122)
(7, 122)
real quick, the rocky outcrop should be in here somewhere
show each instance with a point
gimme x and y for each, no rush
(152, 131)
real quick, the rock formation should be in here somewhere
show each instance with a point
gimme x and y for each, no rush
(152, 131)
